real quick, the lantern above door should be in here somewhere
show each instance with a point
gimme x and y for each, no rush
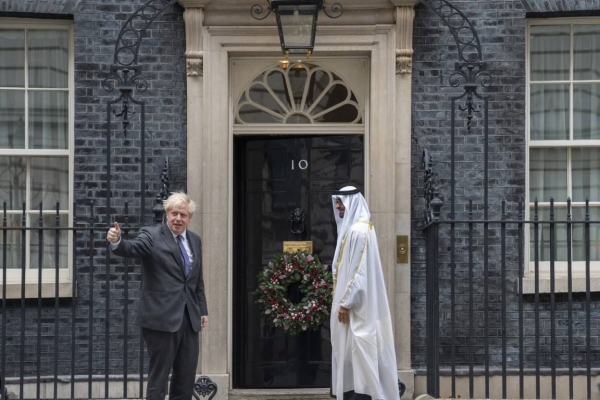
(297, 22)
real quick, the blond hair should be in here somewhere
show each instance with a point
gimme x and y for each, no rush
(179, 198)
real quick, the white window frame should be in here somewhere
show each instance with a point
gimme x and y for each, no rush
(13, 275)
(578, 267)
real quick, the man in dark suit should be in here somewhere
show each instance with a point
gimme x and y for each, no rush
(172, 307)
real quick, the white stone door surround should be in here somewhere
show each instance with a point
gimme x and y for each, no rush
(218, 30)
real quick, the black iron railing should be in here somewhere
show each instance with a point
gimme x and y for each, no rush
(54, 344)
(481, 322)
(58, 321)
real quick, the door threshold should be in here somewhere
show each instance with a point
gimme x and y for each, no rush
(283, 394)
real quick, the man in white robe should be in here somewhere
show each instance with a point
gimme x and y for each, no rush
(363, 359)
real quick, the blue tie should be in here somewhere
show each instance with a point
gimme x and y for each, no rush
(184, 255)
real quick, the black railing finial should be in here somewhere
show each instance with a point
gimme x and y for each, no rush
(158, 208)
(433, 200)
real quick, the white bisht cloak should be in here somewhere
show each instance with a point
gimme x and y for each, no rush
(363, 359)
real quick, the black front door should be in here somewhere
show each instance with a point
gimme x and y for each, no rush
(273, 177)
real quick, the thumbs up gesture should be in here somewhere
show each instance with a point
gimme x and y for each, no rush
(114, 233)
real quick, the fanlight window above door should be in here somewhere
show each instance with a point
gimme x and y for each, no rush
(302, 93)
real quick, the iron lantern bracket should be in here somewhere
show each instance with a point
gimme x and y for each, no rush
(337, 10)
(258, 12)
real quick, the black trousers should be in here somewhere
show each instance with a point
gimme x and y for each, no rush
(176, 350)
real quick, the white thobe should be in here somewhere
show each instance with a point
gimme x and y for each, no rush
(364, 359)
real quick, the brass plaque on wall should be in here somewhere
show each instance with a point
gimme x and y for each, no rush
(292, 247)
(402, 249)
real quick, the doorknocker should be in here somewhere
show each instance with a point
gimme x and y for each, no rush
(297, 221)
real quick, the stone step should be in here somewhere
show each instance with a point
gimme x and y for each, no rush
(273, 397)
(279, 394)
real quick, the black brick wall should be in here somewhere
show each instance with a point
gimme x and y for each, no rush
(501, 28)
(162, 56)
(41, 6)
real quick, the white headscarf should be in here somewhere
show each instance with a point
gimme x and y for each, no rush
(356, 210)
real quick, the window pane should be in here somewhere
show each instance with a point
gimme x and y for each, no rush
(586, 51)
(49, 182)
(345, 113)
(548, 174)
(550, 48)
(586, 173)
(48, 120)
(560, 214)
(49, 242)
(277, 83)
(250, 114)
(260, 95)
(14, 243)
(12, 58)
(586, 111)
(13, 177)
(579, 245)
(296, 23)
(319, 81)
(335, 95)
(12, 119)
(298, 119)
(48, 56)
(549, 112)
(298, 77)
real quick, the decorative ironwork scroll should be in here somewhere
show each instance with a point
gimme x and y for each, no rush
(257, 10)
(465, 35)
(125, 75)
(336, 10)
(470, 70)
(204, 386)
(469, 74)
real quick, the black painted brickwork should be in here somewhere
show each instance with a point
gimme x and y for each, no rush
(97, 24)
(560, 5)
(501, 28)
(41, 6)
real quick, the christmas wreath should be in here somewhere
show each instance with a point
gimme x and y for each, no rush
(315, 283)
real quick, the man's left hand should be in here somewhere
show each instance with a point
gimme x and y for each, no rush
(344, 315)
(204, 320)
